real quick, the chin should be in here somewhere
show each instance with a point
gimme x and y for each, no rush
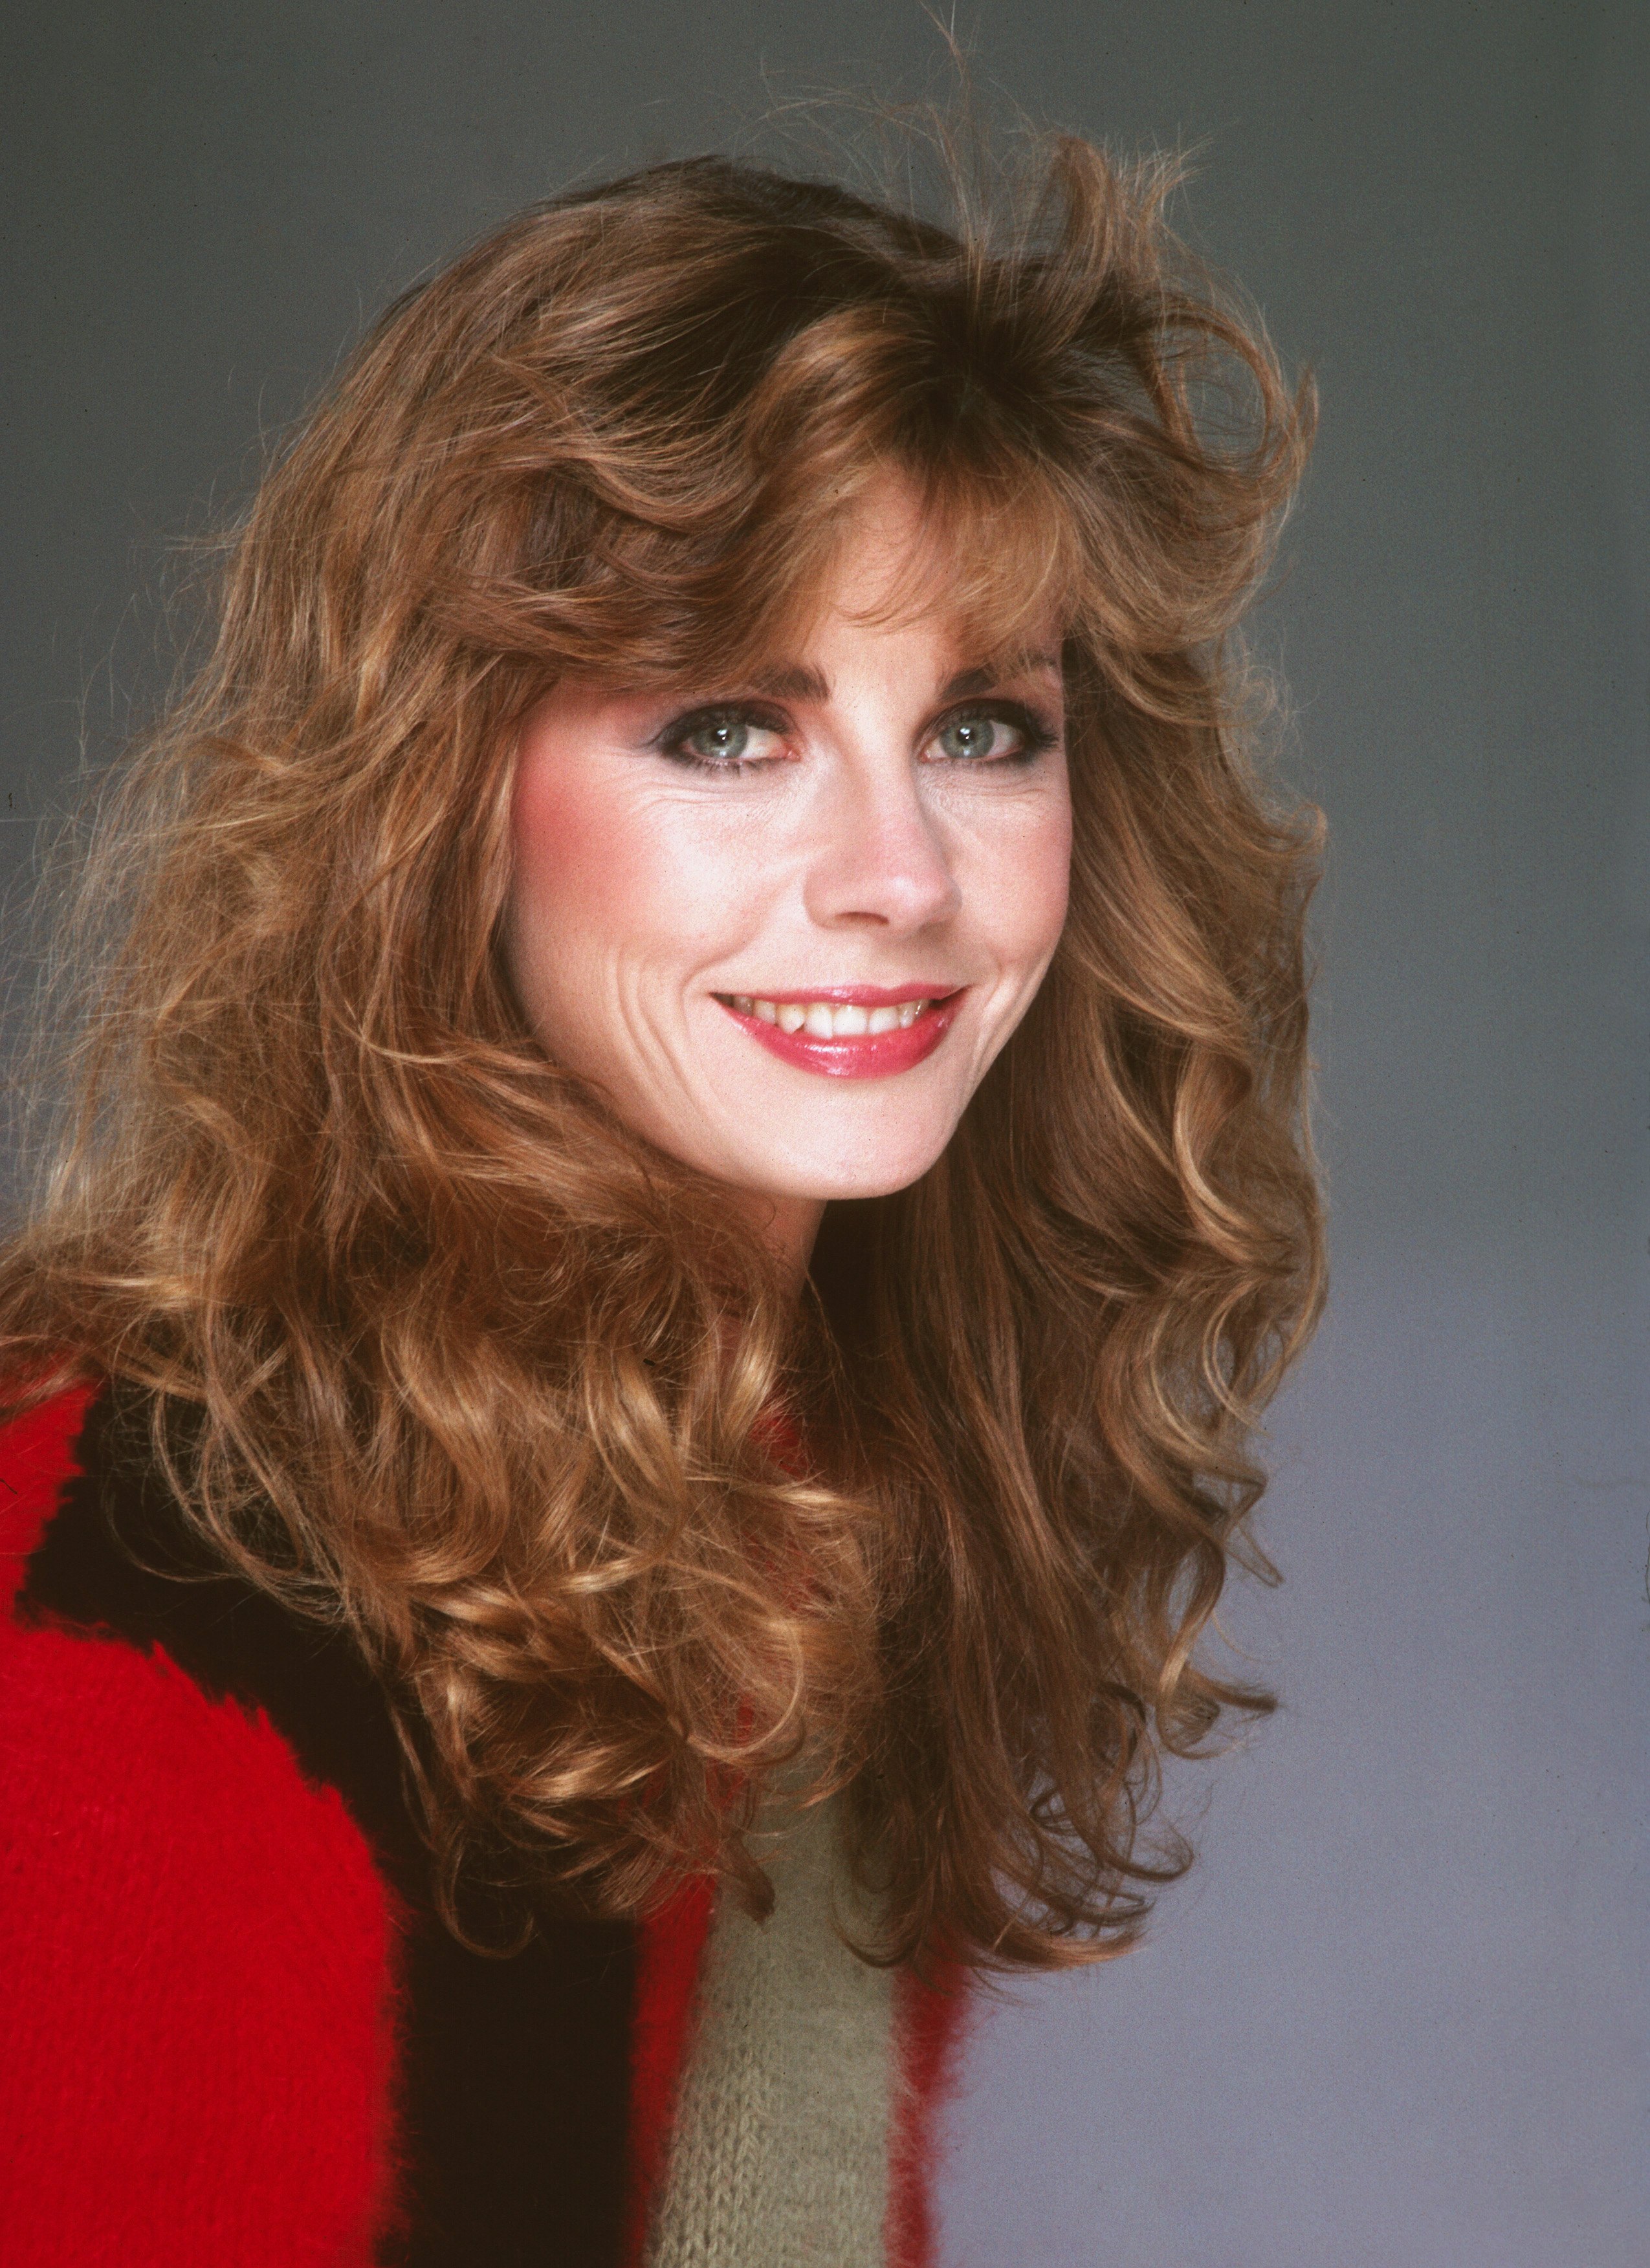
(833, 1182)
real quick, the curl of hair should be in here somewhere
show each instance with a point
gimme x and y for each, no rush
(455, 1357)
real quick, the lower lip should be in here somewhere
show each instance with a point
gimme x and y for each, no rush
(868, 1055)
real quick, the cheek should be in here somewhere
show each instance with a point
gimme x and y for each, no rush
(576, 867)
(1027, 890)
(612, 888)
(1054, 886)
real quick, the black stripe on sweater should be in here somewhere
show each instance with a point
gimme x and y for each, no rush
(513, 2077)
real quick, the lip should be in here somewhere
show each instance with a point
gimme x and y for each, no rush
(866, 1055)
(853, 995)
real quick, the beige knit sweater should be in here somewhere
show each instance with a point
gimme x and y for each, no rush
(781, 2149)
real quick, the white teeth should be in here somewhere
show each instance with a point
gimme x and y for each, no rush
(823, 1019)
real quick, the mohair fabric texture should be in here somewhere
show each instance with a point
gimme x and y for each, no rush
(235, 2029)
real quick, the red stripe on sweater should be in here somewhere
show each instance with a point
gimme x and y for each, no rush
(928, 2032)
(36, 1460)
(669, 1953)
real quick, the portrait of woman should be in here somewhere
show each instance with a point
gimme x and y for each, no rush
(685, 1177)
(664, 1313)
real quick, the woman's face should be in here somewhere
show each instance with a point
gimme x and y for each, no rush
(786, 925)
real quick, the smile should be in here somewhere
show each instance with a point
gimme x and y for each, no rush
(860, 1032)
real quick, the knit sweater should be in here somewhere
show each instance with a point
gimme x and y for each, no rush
(234, 2031)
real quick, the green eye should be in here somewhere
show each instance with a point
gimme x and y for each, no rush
(971, 737)
(724, 740)
(1004, 733)
(967, 736)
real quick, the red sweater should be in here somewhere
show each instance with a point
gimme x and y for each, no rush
(232, 2030)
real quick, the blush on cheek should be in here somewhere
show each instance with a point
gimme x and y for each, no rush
(564, 853)
(618, 890)
(567, 850)
(594, 889)
(611, 863)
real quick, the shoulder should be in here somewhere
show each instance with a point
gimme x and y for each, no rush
(173, 1894)
(113, 1750)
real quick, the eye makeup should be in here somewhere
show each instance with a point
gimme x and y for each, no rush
(716, 736)
(1035, 733)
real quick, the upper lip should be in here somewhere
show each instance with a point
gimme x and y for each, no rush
(845, 995)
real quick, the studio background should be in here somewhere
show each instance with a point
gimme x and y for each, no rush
(1397, 2017)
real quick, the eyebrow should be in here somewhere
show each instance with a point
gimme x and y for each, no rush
(800, 681)
(1034, 662)
(791, 680)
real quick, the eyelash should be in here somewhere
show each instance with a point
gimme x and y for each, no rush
(1037, 732)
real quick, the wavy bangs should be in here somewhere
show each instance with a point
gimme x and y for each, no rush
(435, 1347)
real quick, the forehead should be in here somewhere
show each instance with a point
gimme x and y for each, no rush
(984, 583)
(810, 680)
(991, 578)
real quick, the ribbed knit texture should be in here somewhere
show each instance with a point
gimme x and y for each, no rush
(781, 2153)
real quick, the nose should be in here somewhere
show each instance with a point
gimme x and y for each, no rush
(878, 861)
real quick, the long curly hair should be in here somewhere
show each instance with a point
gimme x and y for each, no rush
(436, 1348)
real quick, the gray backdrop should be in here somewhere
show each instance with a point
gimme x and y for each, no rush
(1397, 2019)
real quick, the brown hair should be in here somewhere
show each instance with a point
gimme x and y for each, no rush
(461, 1360)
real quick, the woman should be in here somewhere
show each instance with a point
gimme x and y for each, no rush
(683, 1179)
